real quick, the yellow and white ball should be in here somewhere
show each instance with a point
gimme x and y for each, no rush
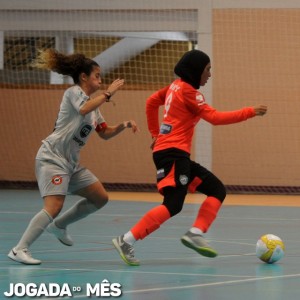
(270, 248)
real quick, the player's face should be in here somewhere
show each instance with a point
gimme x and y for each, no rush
(94, 80)
(205, 75)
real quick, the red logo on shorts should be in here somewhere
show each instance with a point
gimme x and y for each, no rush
(56, 180)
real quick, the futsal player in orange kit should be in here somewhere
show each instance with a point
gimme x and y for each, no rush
(184, 107)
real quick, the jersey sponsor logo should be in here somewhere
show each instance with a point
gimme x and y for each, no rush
(160, 173)
(183, 179)
(85, 131)
(56, 180)
(78, 141)
(165, 128)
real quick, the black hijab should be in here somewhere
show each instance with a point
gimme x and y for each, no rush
(191, 66)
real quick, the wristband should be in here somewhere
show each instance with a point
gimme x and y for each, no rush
(107, 95)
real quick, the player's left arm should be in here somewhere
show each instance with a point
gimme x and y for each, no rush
(107, 131)
(196, 103)
(215, 117)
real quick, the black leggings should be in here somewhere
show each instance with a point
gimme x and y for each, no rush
(174, 197)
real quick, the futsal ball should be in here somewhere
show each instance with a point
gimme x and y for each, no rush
(270, 248)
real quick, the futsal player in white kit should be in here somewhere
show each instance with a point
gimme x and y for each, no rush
(57, 165)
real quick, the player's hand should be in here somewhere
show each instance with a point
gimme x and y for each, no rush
(131, 124)
(115, 85)
(260, 110)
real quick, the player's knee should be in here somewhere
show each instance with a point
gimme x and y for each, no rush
(219, 192)
(101, 201)
(174, 208)
(174, 199)
(53, 205)
(213, 187)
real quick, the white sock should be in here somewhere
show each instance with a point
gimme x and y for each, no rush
(78, 211)
(129, 238)
(35, 228)
(196, 230)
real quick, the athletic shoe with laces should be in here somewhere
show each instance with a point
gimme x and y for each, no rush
(61, 234)
(23, 256)
(199, 244)
(126, 251)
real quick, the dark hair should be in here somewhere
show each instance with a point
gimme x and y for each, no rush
(191, 66)
(72, 65)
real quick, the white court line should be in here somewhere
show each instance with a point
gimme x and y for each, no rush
(120, 271)
(182, 215)
(212, 284)
(219, 283)
(133, 271)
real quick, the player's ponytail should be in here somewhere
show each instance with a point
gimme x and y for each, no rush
(72, 65)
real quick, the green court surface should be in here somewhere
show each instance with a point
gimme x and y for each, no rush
(92, 268)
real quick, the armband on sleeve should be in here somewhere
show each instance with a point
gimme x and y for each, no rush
(101, 127)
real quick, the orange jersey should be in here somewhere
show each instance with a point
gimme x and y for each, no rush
(184, 106)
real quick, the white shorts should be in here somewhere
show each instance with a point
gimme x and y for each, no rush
(54, 180)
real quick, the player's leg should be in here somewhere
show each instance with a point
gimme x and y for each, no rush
(216, 193)
(94, 197)
(37, 225)
(83, 183)
(207, 183)
(150, 222)
(173, 184)
(53, 185)
(174, 190)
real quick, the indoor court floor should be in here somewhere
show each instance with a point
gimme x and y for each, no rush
(168, 271)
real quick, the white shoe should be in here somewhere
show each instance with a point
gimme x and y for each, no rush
(61, 234)
(23, 256)
(126, 251)
(199, 244)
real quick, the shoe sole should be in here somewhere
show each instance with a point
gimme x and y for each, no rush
(64, 242)
(12, 257)
(204, 251)
(116, 245)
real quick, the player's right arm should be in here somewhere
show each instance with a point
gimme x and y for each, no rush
(94, 103)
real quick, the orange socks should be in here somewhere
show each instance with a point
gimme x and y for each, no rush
(150, 222)
(159, 214)
(207, 213)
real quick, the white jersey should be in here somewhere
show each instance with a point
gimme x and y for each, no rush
(71, 131)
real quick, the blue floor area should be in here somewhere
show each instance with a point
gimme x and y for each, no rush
(92, 268)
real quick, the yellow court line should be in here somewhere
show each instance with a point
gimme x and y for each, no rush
(231, 199)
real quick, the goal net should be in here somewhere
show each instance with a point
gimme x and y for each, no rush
(255, 60)
(123, 45)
